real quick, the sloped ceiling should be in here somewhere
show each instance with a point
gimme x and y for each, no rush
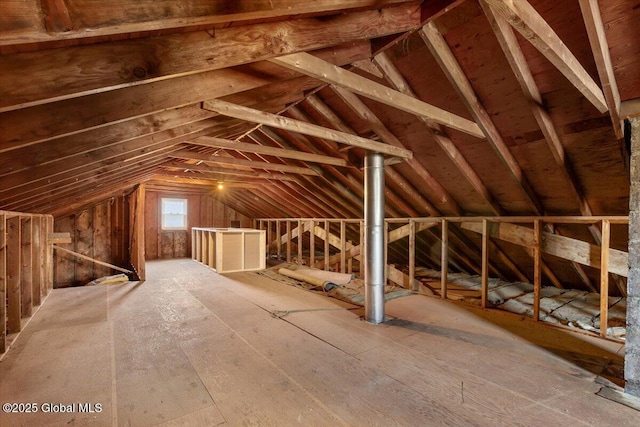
(96, 99)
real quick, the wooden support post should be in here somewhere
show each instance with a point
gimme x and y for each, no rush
(278, 240)
(350, 259)
(3, 283)
(36, 261)
(312, 243)
(412, 254)
(537, 268)
(43, 258)
(343, 247)
(362, 249)
(300, 240)
(13, 274)
(269, 239)
(327, 230)
(485, 263)
(444, 262)
(604, 277)
(288, 241)
(137, 223)
(204, 241)
(386, 250)
(196, 243)
(26, 284)
(49, 256)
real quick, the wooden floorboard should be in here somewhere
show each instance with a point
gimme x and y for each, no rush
(189, 347)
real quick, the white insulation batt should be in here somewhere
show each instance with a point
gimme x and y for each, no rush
(571, 307)
(341, 286)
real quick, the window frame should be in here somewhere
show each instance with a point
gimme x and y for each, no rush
(185, 203)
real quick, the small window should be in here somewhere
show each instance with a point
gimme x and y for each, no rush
(174, 214)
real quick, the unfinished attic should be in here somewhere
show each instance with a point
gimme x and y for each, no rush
(289, 212)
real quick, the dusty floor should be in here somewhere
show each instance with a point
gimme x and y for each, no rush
(190, 347)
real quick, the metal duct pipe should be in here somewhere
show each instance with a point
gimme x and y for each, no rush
(374, 271)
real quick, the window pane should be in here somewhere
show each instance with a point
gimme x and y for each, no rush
(174, 220)
(174, 213)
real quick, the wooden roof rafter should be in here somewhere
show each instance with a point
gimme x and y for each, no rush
(528, 22)
(336, 178)
(211, 170)
(360, 108)
(322, 70)
(93, 22)
(227, 144)
(397, 80)
(331, 195)
(101, 110)
(452, 69)
(223, 160)
(392, 198)
(600, 48)
(522, 72)
(41, 77)
(282, 122)
(182, 178)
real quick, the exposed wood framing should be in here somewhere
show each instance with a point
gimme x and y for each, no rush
(26, 269)
(522, 72)
(444, 262)
(217, 171)
(559, 246)
(395, 78)
(485, 263)
(537, 269)
(209, 141)
(41, 77)
(281, 122)
(388, 137)
(289, 241)
(136, 221)
(412, 251)
(416, 200)
(103, 156)
(14, 297)
(322, 70)
(67, 117)
(3, 282)
(26, 281)
(605, 257)
(223, 160)
(528, 22)
(450, 66)
(600, 47)
(98, 21)
(431, 10)
(95, 261)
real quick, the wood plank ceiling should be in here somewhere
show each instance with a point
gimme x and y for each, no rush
(484, 107)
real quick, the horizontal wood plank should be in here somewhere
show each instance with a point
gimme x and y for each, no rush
(281, 122)
(209, 141)
(560, 246)
(44, 76)
(192, 155)
(322, 70)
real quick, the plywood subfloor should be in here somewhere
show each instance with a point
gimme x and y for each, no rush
(189, 347)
